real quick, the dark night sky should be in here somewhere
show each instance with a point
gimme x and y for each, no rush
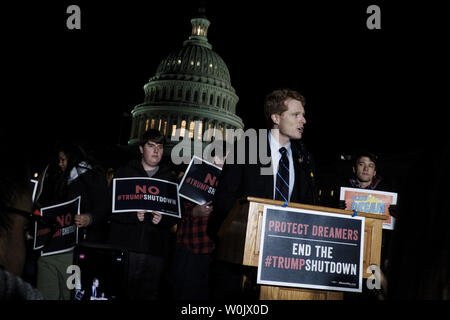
(374, 88)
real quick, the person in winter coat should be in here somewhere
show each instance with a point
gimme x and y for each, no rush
(74, 176)
(146, 235)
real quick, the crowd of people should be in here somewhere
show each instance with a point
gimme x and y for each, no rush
(171, 258)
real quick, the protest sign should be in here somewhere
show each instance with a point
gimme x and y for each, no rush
(146, 194)
(65, 235)
(370, 201)
(200, 181)
(311, 249)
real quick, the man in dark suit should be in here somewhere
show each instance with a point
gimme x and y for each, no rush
(285, 114)
(283, 171)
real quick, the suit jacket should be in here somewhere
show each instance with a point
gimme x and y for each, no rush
(238, 181)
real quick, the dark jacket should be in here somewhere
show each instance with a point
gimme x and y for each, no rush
(128, 232)
(239, 181)
(92, 187)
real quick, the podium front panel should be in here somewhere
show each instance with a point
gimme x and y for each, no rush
(241, 233)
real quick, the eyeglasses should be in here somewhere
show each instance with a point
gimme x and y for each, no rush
(44, 222)
(27, 214)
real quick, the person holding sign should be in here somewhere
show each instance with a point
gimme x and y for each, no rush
(288, 175)
(194, 248)
(365, 176)
(147, 235)
(74, 174)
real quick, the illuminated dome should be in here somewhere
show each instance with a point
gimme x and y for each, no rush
(191, 90)
(195, 61)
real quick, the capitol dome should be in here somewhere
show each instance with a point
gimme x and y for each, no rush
(191, 91)
(196, 62)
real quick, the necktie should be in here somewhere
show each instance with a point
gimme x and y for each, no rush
(282, 181)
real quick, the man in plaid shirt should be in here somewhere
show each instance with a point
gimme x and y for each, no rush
(193, 252)
(192, 231)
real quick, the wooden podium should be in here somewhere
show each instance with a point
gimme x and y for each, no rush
(240, 236)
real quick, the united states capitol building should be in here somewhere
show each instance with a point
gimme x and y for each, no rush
(190, 93)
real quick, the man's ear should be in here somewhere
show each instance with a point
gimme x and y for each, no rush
(275, 118)
(141, 149)
(354, 170)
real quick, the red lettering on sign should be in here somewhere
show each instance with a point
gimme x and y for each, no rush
(210, 179)
(68, 219)
(277, 226)
(350, 234)
(140, 189)
(64, 220)
(153, 190)
(60, 220)
(145, 189)
(280, 262)
(301, 264)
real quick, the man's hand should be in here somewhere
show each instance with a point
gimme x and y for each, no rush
(203, 210)
(393, 210)
(141, 216)
(156, 217)
(82, 220)
(341, 204)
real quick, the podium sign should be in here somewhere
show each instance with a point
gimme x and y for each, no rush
(311, 249)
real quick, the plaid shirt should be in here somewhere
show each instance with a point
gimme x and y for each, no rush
(191, 231)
